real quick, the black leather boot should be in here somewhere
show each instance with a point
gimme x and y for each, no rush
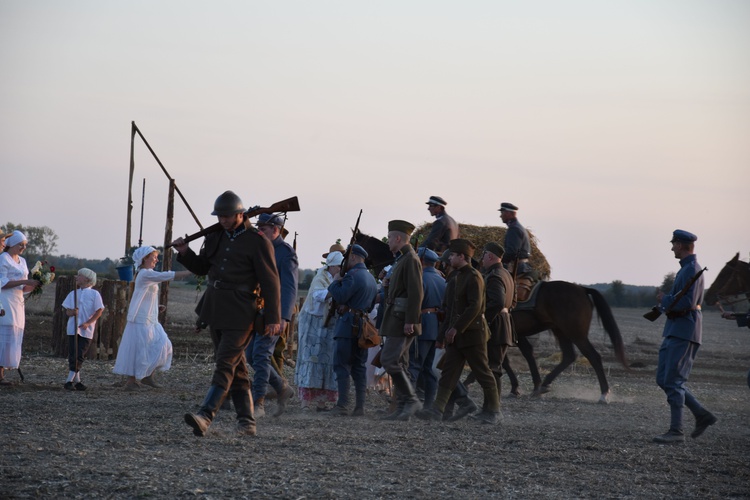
(201, 421)
(410, 400)
(243, 403)
(399, 404)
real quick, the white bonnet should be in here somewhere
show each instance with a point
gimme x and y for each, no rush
(88, 274)
(140, 253)
(334, 259)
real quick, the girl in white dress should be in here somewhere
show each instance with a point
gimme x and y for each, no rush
(14, 283)
(145, 347)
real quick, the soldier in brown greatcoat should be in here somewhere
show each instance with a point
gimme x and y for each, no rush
(402, 318)
(236, 260)
(465, 334)
(500, 296)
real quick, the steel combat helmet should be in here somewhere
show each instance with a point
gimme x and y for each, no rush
(228, 203)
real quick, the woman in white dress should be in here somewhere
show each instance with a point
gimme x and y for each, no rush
(14, 283)
(314, 369)
(145, 347)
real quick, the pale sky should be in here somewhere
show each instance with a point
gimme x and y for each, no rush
(609, 123)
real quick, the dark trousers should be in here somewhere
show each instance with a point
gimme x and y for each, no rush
(349, 360)
(231, 370)
(676, 357)
(83, 346)
(453, 365)
(421, 359)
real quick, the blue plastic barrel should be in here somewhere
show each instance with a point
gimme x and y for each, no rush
(125, 272)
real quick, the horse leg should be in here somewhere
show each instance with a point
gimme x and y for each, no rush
(514, 390)
(588, 350)
(568, 356)
(527, 351)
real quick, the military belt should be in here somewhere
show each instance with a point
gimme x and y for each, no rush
(226, 285)
(430, 310)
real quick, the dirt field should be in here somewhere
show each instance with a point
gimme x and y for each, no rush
(106, 443)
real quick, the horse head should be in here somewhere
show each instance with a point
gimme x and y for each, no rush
(733, 279)
(379, 254)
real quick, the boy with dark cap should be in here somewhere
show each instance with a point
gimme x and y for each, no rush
(682, 338)
(402, 317)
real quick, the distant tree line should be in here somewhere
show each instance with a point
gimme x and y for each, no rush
(619, 294)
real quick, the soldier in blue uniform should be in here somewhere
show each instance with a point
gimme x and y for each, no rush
(422, 352)
(682, 338)
(444, 229)
(355, 295)
(517, 251)
(261, 347)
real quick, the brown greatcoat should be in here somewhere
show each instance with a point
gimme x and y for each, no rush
(500, 293)
(464, 305)
(403, 304)
(234, 268)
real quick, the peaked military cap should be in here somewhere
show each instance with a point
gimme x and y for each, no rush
(507, 207)
(463, 246)
(270, 220)
(336, 247)
(680, 235)
(401, 225)
(494, 248)
(436, 200)
(427, 254)
(358, 250)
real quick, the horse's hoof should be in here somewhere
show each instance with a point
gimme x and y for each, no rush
(515, 392)
(540, 390)
(604, 399)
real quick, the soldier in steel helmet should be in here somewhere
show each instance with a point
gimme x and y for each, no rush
(236, 260)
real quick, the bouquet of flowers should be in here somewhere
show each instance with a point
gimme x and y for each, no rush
(44, 274)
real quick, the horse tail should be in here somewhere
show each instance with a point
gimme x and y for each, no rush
(609, 324)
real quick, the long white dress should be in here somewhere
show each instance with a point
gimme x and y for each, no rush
(14, 321)
(145, 346)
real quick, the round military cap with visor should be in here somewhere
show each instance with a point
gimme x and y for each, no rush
(358, 250)
(436, 200)
(507, 207)
(683, 236)
(270, 220)
(427, 254)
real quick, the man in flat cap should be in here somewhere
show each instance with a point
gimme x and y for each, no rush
(260, 351)
(444, 229)
(422, 351)
(401, 319)
(517, 251)
(354, 295)
(465, 333)
(682, 338)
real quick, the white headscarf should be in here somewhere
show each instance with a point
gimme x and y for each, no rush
(334, 259)
(140, 253)
(15, 238)
(88, 274)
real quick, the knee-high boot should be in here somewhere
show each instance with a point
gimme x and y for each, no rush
(201, 421)
(410, 400)
(243, 403)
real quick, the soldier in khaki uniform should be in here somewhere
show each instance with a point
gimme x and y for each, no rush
(402, 317)
(500, 296)
(466, 334)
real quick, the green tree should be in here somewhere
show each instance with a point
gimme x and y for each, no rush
(42, 240)
(666, 285)
(618, 293)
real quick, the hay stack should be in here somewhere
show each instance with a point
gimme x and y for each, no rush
(480, 235)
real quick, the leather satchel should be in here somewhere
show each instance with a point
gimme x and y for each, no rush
(368, 335)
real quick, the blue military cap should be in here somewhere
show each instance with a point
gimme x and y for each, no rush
(507, 207)
(358, 250)
(270, 220)
(681, 235)
(427, 254)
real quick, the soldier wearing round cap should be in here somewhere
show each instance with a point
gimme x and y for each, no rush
(465, 333)
(500, 293)
(260, 351)
(422, 351)
(236, 260)
(355, 295)
(444, 229)
(517, 243)
(402, 317)
(682, 339)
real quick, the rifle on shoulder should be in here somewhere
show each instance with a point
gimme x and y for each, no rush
(655, 312)
(288, 205)
(342, 270)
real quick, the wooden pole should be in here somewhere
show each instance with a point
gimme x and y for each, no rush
(166, 264)
(133, 128)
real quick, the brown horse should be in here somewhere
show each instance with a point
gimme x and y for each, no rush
(732, 281)
(564, 308)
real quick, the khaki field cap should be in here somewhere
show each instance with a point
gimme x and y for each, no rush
(463, 246)
(494, 248)
(401, 225)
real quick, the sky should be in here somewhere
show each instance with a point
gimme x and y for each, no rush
(609, 124)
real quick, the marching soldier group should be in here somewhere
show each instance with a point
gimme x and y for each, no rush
(464, 311)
